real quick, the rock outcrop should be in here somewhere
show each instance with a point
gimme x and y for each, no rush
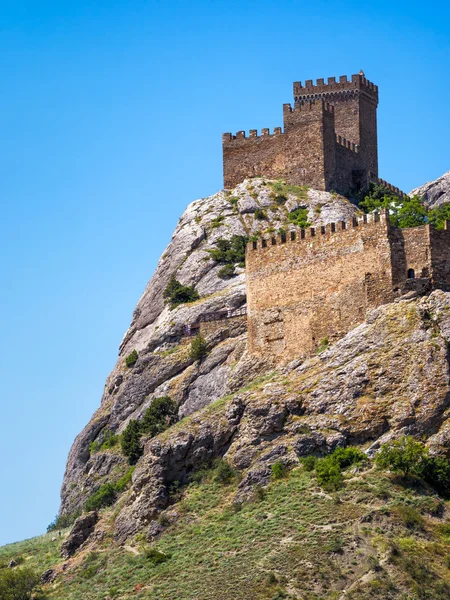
(164, 366)
(80, 532)
(435, 192)
(388, 377)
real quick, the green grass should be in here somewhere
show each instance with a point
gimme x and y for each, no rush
(292, 538)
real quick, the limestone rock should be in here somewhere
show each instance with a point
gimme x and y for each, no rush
(435, 192)
(164, 366)
(81, 530)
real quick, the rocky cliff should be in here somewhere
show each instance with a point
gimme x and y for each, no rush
(164, 366)
(435, 192)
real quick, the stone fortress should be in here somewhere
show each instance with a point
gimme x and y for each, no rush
(311, 285)
(329, 140)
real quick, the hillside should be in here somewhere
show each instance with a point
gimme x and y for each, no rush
(226, 501)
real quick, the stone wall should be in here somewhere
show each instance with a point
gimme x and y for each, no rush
(319, 283)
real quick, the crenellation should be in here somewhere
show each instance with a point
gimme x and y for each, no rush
(333, 275)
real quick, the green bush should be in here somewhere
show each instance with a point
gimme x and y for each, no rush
(155, 556)
(329, 474)
(156, 419)
(104, 496)
(404, 212)
(280, 199)
(226, 272)
(405, 456)
(217, 222)
(18, 584)
(323, 345)
(260, 214)
(329, 468)
(159, 416)
(299, 217)
(131, 359)
(110, 439)
(130, 442)
(439, 215)
(279, 470)
(230, 252)
(223, 472)
(309, 462)
(124, 481)
(199, 348)
(176, 293)
(411, 458)
(63, 521)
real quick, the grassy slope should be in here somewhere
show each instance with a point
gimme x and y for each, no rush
(376, 538)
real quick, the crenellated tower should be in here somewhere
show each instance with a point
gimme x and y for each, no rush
(329, 139)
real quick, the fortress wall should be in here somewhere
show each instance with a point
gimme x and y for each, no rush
(440, 257)
(252, 156)
(300, 292)
(416, 252)
(309, 144)
(347, 161)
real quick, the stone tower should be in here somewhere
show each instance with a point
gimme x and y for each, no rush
(329, 140)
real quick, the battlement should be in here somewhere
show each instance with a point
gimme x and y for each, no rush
(312, 105)
(358, 83)
(313, 233)
(346, 143)
(390, 187)
(252, 134)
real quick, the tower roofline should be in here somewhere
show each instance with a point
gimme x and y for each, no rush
(358, 83)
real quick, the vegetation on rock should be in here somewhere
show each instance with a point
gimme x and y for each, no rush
(175, 293)
(131, 359)
(199, 348)
(299, 217)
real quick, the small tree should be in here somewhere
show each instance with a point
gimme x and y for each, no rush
(158, 416)
(177, 293)
(199, 348)
(130, 441)
(404, 455)
(17, 584)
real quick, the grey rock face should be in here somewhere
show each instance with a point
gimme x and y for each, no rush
(387, 377)
(81, 530)
(164, 366)
(435, 192)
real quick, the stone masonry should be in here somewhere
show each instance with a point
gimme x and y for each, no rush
(309, 285)
(329, 140)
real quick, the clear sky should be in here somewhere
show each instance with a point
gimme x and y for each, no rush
(111, 114)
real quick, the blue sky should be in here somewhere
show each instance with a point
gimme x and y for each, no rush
(111, 116)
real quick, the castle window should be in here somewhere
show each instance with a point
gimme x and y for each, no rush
(411, 274)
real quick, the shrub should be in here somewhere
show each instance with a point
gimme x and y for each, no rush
(131, 359)
(412, 458)
(231, 251)
(309, 462)
(199, 348)
(226, 272)
(63, 521)
(280, 199)
(404, 212)
(323, 345)
(279, 470)
(223, 472)
(439, 215)
(104, 496)
(176, 293)
(299, 217)
(260, 214)
(345, 457)
(124, 481)
(329, 473)
(155, 556)
(17, 584)
(130, 442)
(405, 456)
(110, 439)
(217, 222)
(158, 416)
